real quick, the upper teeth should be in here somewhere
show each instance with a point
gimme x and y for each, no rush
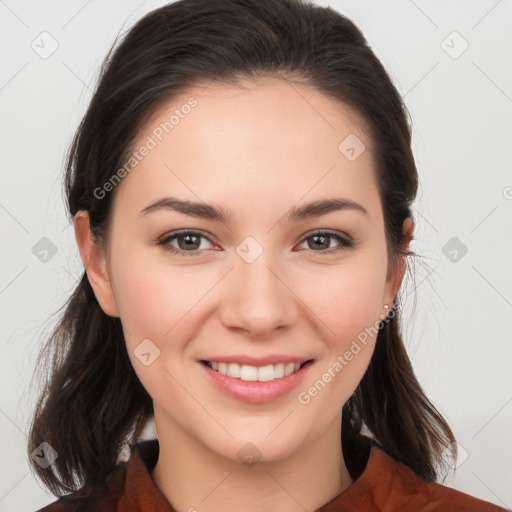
(254, 373)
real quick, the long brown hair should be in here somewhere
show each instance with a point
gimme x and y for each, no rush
(92, 402)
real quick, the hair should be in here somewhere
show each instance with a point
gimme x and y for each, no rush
(92, 403)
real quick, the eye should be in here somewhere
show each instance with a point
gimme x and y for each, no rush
(189, 243)
(321, 240)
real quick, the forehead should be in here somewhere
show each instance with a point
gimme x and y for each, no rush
(275, 140)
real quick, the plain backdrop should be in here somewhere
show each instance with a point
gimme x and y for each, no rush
(451, 62)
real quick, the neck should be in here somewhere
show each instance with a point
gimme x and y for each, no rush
(192, 477)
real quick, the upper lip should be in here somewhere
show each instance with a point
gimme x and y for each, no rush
(257, 361)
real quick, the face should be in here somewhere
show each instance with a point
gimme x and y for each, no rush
(260, 285)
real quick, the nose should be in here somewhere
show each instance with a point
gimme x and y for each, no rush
(257, 299)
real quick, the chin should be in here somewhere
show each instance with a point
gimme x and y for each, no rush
(260, 444)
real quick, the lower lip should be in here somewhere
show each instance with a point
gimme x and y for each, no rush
(256, 392)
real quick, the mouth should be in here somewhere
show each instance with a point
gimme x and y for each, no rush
(256, 384)
(250, 373)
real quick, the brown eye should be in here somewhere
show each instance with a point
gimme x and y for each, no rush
(189, 243)
(321, 242)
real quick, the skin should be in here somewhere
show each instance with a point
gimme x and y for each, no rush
(256, 152)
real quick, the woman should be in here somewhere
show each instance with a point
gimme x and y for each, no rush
(241, 191)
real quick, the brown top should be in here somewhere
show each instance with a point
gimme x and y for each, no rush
(380, 484)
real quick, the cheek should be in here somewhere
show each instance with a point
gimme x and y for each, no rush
(358, 304)
(144, 303)
(348, 304)
(153, 304)
(349, 311)
(348, 300)
(152, 297)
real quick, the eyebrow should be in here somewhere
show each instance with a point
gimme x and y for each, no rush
(211, 212)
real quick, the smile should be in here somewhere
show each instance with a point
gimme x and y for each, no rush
(254, 373)
(255, 384)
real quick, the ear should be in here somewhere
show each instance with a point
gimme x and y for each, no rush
(95, 263)
(395, 276)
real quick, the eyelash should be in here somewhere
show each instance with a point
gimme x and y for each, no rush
(345, 243)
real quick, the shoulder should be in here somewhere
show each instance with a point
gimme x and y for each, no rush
(102, 497)
(128, 486)
(408, 491)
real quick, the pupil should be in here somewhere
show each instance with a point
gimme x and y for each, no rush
(317, 237)
(188, 239)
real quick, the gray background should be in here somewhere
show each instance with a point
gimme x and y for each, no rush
(460, 102)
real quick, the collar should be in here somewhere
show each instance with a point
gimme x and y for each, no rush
(367, 464)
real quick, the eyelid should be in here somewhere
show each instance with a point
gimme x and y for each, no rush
(344, 241)
(326, 231)
(164, 240)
